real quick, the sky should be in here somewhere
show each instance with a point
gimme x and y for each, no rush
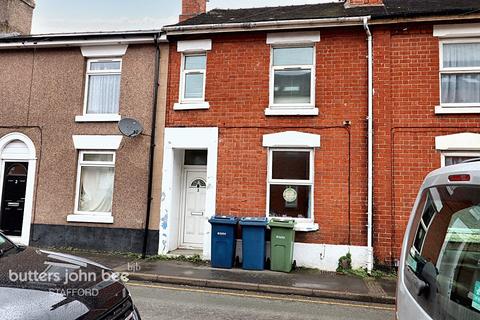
(53, 16)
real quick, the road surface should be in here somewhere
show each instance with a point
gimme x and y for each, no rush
(165, 302)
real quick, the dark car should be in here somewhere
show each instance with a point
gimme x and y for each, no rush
(38, 284)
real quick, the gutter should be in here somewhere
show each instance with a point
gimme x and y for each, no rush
(35, 43)
(152, 143)
(266, 25)
(370, 149)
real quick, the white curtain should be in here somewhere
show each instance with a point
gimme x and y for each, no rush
(96, 189)
(461, 87)
(103, 94)
(459, 55)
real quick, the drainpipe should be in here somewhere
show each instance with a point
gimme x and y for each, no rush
(370, 148)
(152, 144)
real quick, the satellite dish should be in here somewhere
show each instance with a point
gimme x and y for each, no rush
(130, 127)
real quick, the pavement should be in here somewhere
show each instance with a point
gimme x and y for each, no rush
(302, 282)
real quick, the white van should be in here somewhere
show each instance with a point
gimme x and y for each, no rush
(439, 273)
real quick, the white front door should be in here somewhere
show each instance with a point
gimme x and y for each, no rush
(194, 208)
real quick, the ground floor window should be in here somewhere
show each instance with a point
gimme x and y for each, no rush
(95, 177)
(290, 183)
(451, 158)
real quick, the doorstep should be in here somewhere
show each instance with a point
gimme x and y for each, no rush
(185, 253)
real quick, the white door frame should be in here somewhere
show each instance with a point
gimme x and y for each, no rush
(181, 139)
(183, 202)
(31, 159)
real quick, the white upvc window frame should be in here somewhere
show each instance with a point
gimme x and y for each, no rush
(193, 71)
(99, 117)
(312, 67)
(82, 163)
(444, 154)
(270, 181)
(456, 107)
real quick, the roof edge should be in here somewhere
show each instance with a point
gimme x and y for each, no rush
(265, 25)
(78, 40)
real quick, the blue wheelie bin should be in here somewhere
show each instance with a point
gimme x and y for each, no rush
(223, 241)
(253, 243)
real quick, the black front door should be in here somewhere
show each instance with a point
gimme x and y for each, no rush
(13, 197)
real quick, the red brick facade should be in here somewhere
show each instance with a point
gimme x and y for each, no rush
(406, 82)
(407, 90)
(238, 92)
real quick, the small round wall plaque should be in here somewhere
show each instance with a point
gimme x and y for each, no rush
(290, 194)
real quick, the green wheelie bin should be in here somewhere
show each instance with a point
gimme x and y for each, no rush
(281, 244)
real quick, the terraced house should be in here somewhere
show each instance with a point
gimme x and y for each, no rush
(69, 178)
(330, 114)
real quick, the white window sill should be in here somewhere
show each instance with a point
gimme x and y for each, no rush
(90, 218)
(301, 225)
(282, 111)
(306, 226)
(191, 106)
(98, 118)
(456, 110)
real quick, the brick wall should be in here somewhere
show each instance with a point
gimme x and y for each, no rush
(191, 8)
(237, 90)
(406, 93)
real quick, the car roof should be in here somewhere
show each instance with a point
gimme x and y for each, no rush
(440, 176)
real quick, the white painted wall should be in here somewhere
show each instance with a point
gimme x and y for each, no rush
(179, 139)
(174, 238)
(325, 256)
(321, 256)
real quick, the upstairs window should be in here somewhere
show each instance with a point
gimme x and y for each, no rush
(292, 77)
(460, 73)
(193, 77)
(103, 86)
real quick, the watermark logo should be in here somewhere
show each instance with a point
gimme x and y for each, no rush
(71, 282)
(133, 267)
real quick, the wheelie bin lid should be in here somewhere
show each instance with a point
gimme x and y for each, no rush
(223, 220)
(257, 221)
(290, 224)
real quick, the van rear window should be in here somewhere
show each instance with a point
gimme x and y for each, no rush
(443, 263)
